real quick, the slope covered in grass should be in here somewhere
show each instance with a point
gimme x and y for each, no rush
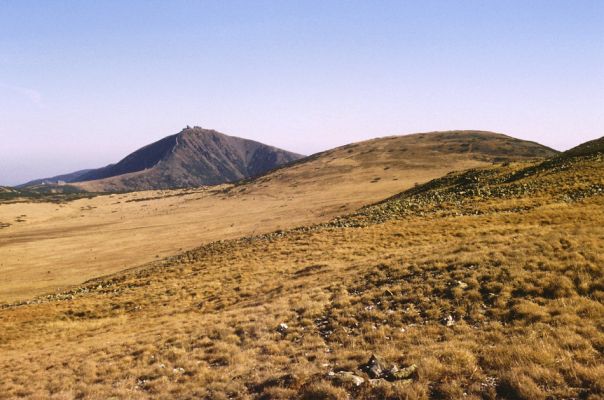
(484, 284)
(50, 246)
(569, 176)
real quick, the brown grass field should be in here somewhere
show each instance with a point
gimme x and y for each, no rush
(483, 284)
(48, 246)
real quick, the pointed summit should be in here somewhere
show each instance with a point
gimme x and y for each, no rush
(192, 157)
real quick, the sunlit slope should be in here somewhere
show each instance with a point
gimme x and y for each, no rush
(48, 245)
(487, 283)
(569, 176)
(409, 159)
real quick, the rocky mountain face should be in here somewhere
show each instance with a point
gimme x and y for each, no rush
(192, 157)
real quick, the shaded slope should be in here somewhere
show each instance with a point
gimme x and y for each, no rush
(193, 157)
(8, 193)
(42, 193)
(216, 158)
(144, 158)
(71, 177)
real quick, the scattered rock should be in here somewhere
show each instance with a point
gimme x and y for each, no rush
(377, 369)
(404, 373)
(448, 321)
(348, 378)
(282, 328)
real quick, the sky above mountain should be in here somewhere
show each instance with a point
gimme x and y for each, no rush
(84, 83)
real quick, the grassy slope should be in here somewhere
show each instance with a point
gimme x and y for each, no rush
(49, 246)
(514, 255)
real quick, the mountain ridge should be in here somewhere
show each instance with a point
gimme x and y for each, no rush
(53, 180)
(197, 156)
(191, 157)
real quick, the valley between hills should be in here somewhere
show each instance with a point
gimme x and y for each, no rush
(442, 265)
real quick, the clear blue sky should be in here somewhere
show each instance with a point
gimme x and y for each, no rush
(83, 83)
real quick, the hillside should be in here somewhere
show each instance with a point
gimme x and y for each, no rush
(7, 193)
(422, 156)
(55, 180)
(581, 168)
(482, 284)
(55, 244)
(5, 189)
(592, 147)
(41, 193)
(192, 157)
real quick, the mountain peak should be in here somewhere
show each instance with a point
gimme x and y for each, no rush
(192, 157)
(196, 129)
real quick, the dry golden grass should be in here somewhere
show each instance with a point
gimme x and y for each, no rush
(518, 269)
(50, 246)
